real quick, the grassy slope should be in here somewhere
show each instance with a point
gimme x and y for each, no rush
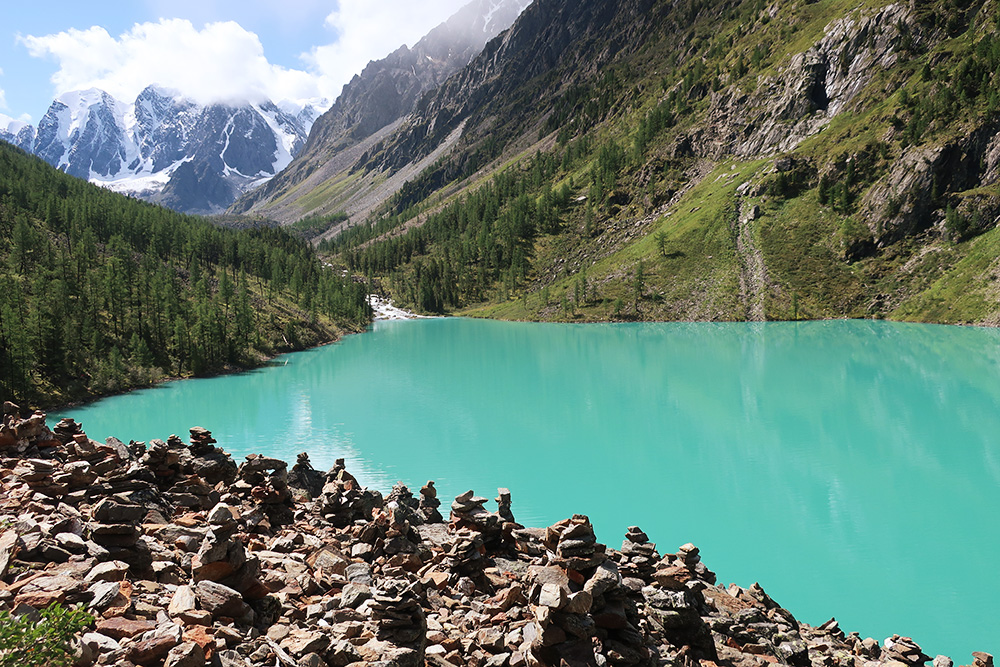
(926, 277)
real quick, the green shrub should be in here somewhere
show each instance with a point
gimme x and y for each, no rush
(25, 643)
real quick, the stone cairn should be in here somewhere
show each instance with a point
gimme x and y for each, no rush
(305, 479)
(263, 482)
(185, 560)
(343, 501)
(639, 558)
(429, 504)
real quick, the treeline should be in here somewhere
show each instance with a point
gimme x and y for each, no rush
(482, 245)
(100, 293)
(950, 90)
(461, 252)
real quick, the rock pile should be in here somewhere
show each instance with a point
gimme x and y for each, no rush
(429, 504)
(185, 560)
(305, 479)
(343, 501)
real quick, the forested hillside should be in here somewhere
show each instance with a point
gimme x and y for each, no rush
(704, 160)
(100, 293)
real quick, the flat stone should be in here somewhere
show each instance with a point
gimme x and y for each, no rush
(115, 535)
(312, 660)
(552, 596)
(151, 650)
(361, 549)
(354, 594)
(114, 570)
(219, 600)
(359, 573)
(604, 578)
(122, 628)
(215, 571)
(329, 561)
(100, 642)
(300, 643)
(188, 654)
(550, 574)
(438, 580)
(40, 599)
(579, 603)
(183, 600)
(8, 541)
(195, 617)
(71, 542)
(201, 636)
(981, 659)
(113, 511)
(673, 577)
(104, 593)
(221, 515)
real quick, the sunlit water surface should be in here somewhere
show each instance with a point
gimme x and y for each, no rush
(852, 468)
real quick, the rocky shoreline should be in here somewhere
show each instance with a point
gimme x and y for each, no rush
(185, 559)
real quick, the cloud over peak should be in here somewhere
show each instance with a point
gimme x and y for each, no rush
(221, 62)
(367, 31)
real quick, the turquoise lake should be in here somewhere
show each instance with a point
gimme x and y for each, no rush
(851, 467)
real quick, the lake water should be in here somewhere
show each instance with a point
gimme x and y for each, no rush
(852, 468)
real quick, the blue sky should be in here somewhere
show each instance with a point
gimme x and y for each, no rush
(210, 50)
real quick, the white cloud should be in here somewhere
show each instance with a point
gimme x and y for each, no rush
(370, 30)
(222, 62)
(3, 95)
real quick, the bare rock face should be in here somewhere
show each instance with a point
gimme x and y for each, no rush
(810, 91)
(904, 201)
(352, 580)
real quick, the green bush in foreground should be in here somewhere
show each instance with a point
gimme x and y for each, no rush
(24, 643)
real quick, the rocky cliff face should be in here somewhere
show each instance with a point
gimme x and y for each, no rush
(186, 558)
(138, 148)
(387, 90)
(579, 38)
(810, 91)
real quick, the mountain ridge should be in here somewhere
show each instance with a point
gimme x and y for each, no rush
(377, 98)
(135, 148)
(702, 160)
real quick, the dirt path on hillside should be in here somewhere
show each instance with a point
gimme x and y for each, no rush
(753, 270)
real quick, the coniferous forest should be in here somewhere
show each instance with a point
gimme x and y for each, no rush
(100, 293)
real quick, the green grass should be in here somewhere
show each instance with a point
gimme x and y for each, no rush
(698, 278)
(329, 192)
(968, 289)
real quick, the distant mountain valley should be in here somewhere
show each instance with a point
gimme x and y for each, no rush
(197, 158)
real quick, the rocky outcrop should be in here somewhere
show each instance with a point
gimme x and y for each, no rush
(814, 86)
(259, 574)
(908, 199)
(579, 37)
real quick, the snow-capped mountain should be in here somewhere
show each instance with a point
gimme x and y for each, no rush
(16, 132)
(139, 148)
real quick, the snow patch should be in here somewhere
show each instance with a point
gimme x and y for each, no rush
(497, 5)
